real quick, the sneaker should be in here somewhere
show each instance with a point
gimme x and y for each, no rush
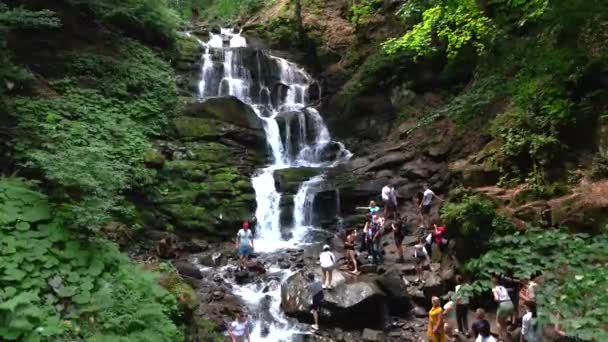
(315, 327)
(417, 280)
(324, 287)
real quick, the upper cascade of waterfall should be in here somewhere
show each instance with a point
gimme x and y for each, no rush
(280, 93)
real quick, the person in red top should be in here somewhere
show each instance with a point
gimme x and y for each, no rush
(439, 238)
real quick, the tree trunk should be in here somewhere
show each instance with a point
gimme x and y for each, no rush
(300, 25)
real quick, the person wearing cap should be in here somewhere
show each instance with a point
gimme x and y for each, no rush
(327, 260)
(244, 244)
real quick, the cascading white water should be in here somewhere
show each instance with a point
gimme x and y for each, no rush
(278, 91)
(247, 81)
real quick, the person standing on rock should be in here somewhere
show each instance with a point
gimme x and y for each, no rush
(316, 290)
(253, 222)
(244, 244)
(389, 197)
(328, 261)
(426, 205)
(376, 233)
(529, 324)
(435, 331)
(462, 307)
(505, 306)
(422, 256)
(399, 230)
(239, 329)
(349, 247)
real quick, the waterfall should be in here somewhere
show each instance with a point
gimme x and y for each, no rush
(278, 92)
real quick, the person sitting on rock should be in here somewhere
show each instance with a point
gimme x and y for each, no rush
(316, 291)
(244, 244)
(328, 261)
(399, 228)
(349, 247)
(421, 256)
(239, 329)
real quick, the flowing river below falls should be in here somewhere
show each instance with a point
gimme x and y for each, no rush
(279, 92)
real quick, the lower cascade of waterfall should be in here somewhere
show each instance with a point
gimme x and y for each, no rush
(279, 92)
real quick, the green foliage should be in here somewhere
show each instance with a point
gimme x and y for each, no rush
(573, 267)
(57, 287)
(362, 10)
(222, 10)
(471, 217)
(378, 70)
(599, 168)
(280, 32)
(19, 19)
(455, 23)
(152, 21)
(91, 137)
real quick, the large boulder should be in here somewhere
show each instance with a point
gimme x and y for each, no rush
(388, 161)
(348, 305)
(393, 284)
(288, 180)
(227, 109)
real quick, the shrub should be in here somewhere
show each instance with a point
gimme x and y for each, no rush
(573, 266)
(90, 139)
(362, 10)
(471, 217)
(55, 286)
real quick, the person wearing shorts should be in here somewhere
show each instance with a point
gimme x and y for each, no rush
(316, 290)
(327, 259)
(421, 256)
(244, 244)
(426, 204)
(505, 306)
(239, 329)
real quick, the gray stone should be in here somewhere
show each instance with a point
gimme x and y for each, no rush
(388, 161)
(372, 335)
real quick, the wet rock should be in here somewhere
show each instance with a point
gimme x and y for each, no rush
(187, 269)
(284, 265)
(218, 295)
(474, 175)
(154, 159)
(373, 335)
(243, 277)
(256, 266)
(348, 305)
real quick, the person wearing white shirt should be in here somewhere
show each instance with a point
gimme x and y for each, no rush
(529, 324)
(426, 204)
(389, 197)
(239, 329)
(327, 260)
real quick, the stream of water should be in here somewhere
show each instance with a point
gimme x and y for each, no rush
(279, 92)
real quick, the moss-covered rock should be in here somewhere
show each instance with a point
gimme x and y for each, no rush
(289, 180)
(154, 159)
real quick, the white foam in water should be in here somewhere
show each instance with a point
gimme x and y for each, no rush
(231, 77)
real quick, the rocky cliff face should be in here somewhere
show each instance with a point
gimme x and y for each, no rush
(205, 166)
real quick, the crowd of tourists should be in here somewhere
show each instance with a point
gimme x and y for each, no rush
(515, 298)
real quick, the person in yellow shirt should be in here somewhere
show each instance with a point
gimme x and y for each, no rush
(435, 331)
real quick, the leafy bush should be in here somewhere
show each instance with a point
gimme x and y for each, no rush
(599, 168)
(456, 23)
(362, 10)
(471, 217)
(573, 266)
(57, 287)
(90, 139)
(152, 21)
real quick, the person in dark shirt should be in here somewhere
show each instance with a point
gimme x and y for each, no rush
(481, 326)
